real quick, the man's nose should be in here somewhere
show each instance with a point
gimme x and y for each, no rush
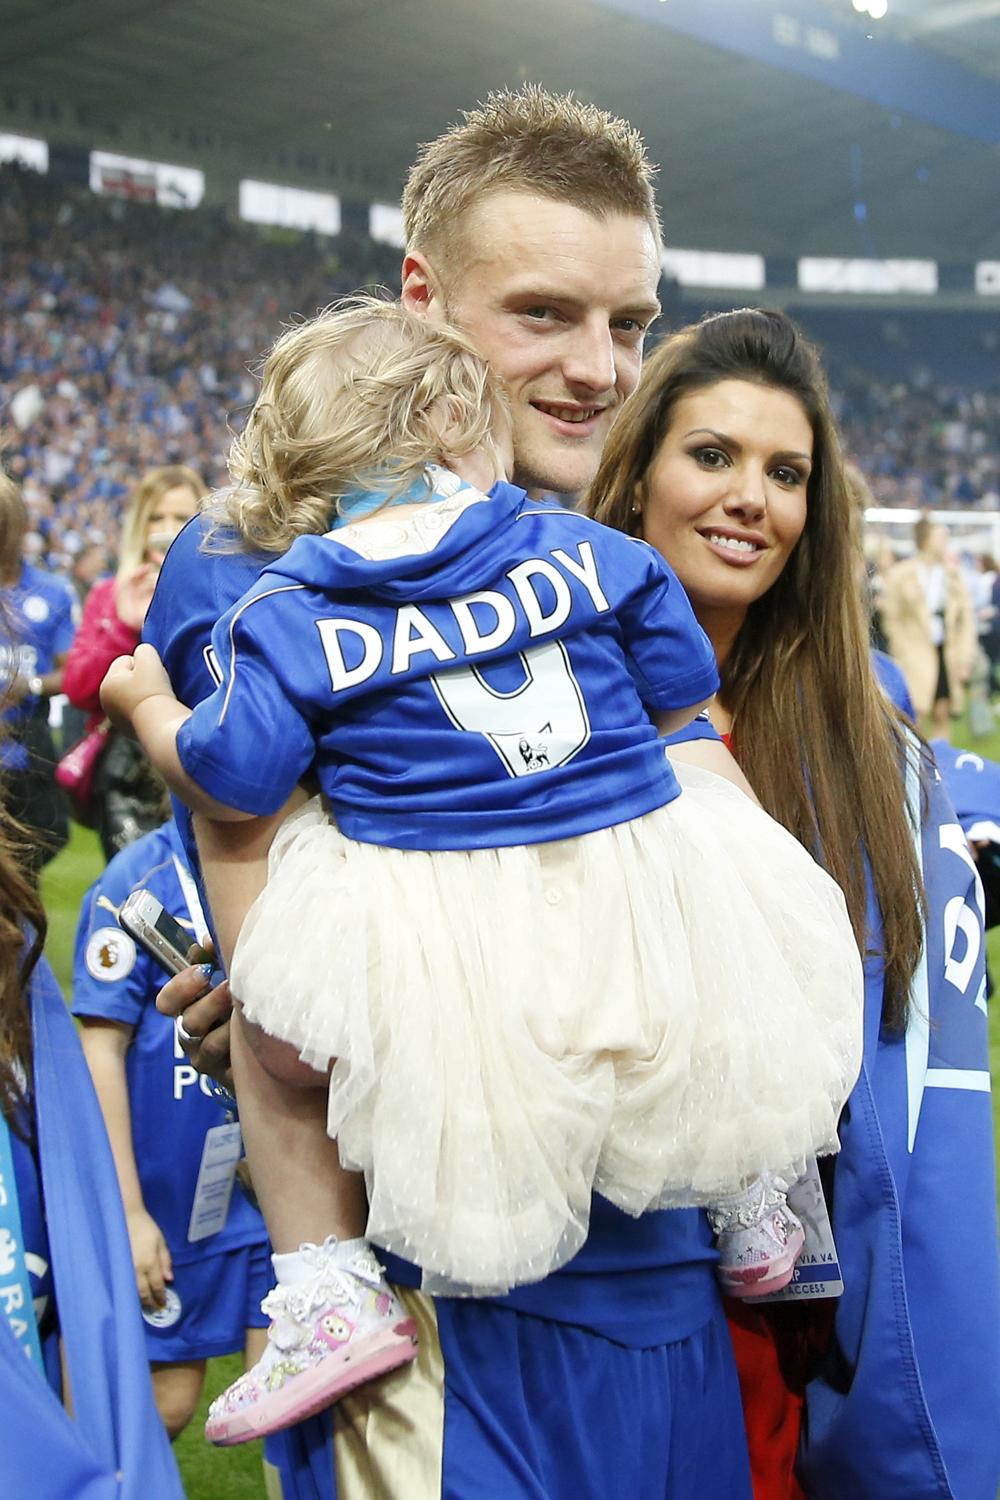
(590, 359)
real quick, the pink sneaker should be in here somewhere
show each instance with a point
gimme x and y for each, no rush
(334, 1330)
(759, 1239)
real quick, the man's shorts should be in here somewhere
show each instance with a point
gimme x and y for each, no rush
(211, 1303)
(501, 1405)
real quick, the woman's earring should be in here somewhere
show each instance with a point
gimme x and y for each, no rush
(635, 508)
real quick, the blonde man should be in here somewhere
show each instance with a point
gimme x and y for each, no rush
(532, 225)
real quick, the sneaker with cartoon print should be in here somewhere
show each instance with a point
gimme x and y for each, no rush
(758, 1237)
(335, 1329)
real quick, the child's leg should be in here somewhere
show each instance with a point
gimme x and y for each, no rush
(304, 1193)
(335, 1321)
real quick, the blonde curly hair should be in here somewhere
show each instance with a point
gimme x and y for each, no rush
(361, 397)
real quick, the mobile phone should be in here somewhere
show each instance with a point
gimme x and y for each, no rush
(147, 920)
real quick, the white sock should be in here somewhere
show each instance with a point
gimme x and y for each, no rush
(293, 1266)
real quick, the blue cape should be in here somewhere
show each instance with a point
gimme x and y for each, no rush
(116, 1448)
(907, 1405)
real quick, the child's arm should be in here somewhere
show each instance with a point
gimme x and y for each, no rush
(233, 857)
(712, 755)
(105, 1046)
(137, 697)
(669, 721)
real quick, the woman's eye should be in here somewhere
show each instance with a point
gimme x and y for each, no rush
(789, 476)
(710, 458)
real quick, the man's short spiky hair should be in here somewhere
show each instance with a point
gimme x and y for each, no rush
(531, 141)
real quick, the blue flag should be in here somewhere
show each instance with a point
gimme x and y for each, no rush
(115, 1447)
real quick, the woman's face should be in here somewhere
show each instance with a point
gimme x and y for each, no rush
(724, 500)
(171, 511)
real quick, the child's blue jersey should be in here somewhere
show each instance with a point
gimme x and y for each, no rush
(488, 682)
(172, 1106)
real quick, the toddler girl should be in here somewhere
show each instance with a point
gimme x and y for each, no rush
(531, 968)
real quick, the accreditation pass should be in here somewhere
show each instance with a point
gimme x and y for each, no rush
(817, 1270)
(221, 1152)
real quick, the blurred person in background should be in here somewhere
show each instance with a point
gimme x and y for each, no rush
(930, 626)
(130, 798)
(90, 565)
(37, 620)
(74, 1383)
(986, 597)
(727, 461)
(201, 1257)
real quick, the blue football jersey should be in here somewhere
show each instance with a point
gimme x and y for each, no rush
(172, 1105)
(488, 682)
(38, 617)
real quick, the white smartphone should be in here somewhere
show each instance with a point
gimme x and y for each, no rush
(147, 920)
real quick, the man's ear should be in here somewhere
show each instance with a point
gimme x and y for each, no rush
(421, 290)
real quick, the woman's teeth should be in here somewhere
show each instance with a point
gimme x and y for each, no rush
(733, 543)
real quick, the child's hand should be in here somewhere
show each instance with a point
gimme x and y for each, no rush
(129, 681)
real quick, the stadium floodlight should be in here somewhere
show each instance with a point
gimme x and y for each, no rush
(715, 268)
(876, 277)
(385, 224)
(289, 207)
(876, 9)
(26, 150)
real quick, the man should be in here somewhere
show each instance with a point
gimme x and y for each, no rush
(532, 225)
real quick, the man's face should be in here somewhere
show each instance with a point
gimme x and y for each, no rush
(559, 303)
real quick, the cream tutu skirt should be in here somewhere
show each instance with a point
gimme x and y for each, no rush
(657, 1012)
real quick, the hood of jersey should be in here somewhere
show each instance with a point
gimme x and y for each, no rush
(466, 529)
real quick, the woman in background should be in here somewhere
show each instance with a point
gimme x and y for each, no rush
(930, 625)
(130, 799)
(727, 461)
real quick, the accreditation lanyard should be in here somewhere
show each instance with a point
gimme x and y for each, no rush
(192, 900)
(16, 1302)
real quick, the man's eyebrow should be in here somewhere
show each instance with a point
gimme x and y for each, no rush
(731, 442)
(535, 294)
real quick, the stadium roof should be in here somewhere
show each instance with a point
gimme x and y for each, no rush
(767, 141)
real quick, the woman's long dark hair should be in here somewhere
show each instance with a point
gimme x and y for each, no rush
(22, 934)
(799, 672)
(22, 917)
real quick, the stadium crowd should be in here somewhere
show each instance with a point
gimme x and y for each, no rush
(128, 332)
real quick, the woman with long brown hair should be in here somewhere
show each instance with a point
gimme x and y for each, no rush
(728, 462)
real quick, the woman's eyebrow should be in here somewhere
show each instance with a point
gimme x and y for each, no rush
(730, 442)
